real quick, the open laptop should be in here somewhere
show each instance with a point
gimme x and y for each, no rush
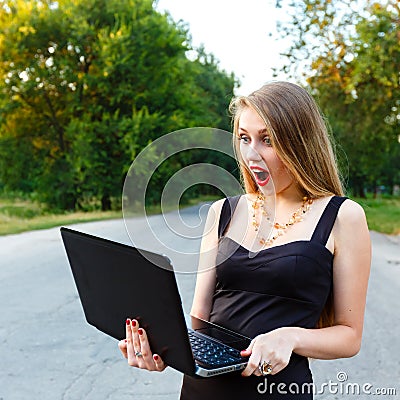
(116, 281)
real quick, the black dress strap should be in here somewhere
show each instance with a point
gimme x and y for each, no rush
(228, 208)
(327, 220)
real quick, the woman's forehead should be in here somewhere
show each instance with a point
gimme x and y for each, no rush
(249, 119)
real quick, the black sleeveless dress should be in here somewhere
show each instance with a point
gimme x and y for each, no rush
(284, 285)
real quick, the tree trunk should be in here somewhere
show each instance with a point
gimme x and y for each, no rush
(105, 203)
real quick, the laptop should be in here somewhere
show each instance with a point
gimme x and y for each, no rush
(116, 281)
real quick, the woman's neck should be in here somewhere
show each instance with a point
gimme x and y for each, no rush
(291, 194)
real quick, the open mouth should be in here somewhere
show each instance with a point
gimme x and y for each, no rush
(262, 176)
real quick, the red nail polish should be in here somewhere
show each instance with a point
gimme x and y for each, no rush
(133, 322)
(128, 321)
(140, 331)
(126, 341)
(155, 357)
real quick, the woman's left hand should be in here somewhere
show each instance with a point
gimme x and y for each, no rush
(275, 348)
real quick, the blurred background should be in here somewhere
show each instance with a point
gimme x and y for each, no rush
(86, 85)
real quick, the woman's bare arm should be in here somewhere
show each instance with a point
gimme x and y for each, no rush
(205, 283)
(351, 268)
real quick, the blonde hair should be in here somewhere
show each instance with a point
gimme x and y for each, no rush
(298, 134)
(300, 137)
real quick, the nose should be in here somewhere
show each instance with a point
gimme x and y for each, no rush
(253, 154)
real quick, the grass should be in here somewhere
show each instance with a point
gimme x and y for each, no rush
(16, 215)
(383, 214)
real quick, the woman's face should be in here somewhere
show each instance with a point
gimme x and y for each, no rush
(258, 154)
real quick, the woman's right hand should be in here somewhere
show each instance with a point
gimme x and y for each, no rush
(136, 349)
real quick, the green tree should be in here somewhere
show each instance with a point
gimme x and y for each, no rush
(85, 85)
(354, 57)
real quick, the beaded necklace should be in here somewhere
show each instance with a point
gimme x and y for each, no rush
(280, 229)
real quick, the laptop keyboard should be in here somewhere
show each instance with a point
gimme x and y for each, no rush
(212, 353)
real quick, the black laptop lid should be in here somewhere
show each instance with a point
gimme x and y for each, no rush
(116, 281)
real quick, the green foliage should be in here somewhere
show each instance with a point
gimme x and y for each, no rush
(354, 56)
(383, 214)
(86, 85)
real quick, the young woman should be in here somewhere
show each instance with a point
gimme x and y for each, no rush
(296, 279)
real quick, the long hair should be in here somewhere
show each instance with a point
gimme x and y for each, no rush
(300, 137)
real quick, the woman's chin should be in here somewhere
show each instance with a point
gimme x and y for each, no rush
(267, 190)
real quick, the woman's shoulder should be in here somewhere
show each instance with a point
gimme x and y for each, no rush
(218, 204)
(351, 212)
(216, 207)
(351, 222)
(352, 241)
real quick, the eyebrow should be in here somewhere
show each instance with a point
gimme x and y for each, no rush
(261, 131)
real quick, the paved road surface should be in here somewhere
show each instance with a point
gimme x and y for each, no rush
(48, 352)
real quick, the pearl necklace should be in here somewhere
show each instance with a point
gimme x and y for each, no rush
(280, 229)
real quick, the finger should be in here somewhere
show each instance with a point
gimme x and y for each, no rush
(123, 346)
(137, 348)
(129, 340)
(159, 363)
(147, 355)
(252, 365)
(247, 352)
(277, 367)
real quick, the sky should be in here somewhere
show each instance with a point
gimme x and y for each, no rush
(241, 34)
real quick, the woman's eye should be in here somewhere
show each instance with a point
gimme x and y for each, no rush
(244, 138)
(267, 141)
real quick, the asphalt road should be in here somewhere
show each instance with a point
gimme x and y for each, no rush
(49, 352)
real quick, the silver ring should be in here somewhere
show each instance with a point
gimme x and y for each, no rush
(265, 368)
(138, 354)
